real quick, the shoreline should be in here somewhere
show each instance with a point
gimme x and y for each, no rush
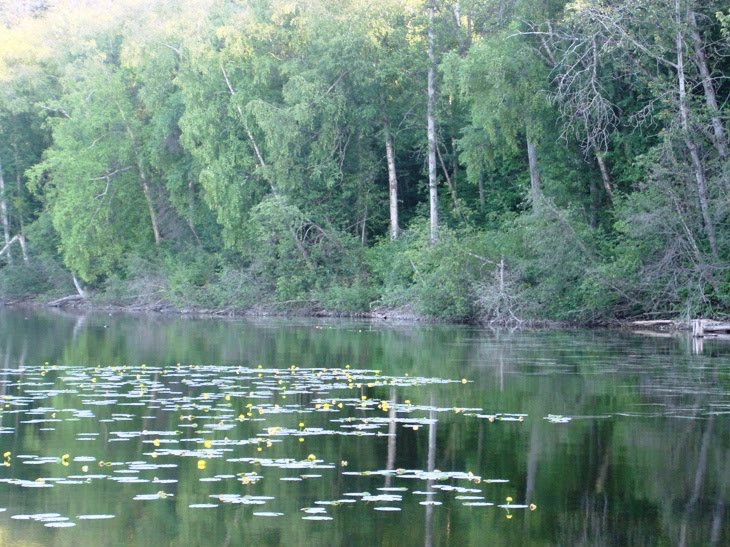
(666, 326)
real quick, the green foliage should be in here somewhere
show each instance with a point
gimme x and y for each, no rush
(41, 278)
(231, 155)
(189, 278)
(298, 260)
(436, 280)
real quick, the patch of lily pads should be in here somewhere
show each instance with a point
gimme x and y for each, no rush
(200, 420)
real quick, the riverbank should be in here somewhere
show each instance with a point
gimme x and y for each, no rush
(314, 310)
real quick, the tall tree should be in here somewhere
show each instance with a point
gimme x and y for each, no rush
(431, 126)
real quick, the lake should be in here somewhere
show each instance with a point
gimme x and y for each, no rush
(155, 430)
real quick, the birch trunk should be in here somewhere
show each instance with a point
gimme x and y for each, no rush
(431, 129)
(21, 241)
(719, 137)
(699, 170)
(142, 177)
(150, 205)
(605, 175)
(79, 289)
(19, 189)
(392, 182)
(4, 214)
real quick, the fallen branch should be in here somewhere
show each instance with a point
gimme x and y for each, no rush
(20, 238)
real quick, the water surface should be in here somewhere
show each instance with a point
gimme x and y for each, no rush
(177, 431)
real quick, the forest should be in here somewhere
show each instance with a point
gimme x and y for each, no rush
(490, 161)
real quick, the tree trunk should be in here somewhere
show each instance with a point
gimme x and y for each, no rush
(449, 181)
(363, 228)
(535, 189)
(4, 214)
(79, 289)
(21, 240)
(605, 175)
(392, 181)
(150, 206)
(19, 188)
(719, 137)
(431, 128)
(699, 169)
(595, 202)
(142, 177)
(454, 163)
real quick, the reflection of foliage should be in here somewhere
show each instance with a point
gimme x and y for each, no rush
(615, 472)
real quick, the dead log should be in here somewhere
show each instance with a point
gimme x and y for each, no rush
(704, 327)
(654, 323)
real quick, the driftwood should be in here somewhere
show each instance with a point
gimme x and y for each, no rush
(654, 323)
(65, 300)
(701, 328)
(704, 327)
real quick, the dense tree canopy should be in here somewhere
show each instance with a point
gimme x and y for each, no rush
(231, 154)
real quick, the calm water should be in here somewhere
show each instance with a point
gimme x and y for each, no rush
(171, 431)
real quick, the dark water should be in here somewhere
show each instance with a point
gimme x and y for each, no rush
(595, 438)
